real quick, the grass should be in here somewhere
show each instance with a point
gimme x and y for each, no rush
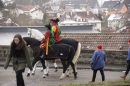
(105, 83)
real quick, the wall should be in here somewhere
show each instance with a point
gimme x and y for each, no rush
(113, 57)
(115, 45)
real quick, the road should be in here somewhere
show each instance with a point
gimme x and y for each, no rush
(7, 77)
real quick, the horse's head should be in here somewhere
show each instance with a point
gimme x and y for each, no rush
(29, 32)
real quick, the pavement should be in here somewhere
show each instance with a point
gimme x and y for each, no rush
(112, 73)
(84, 77)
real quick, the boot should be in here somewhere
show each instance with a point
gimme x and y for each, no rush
(124, 77)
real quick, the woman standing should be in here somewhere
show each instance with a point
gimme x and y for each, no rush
(20, 55)
(128, 61)
(98, 62)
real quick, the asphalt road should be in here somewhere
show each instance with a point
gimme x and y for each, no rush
(7, 77)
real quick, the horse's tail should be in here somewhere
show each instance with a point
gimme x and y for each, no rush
(77, 53)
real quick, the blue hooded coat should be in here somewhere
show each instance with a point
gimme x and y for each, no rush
(98, 59)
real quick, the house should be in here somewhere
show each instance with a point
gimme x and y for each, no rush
(32, 11)
(112, 7)
(91, 5)
(1, 15)
(127, 2)
(80, 18)
(49, 12)
(8, 22)
(119, 20)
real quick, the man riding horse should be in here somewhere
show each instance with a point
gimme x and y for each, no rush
(52, 35)
(48, 40)
(55, 29)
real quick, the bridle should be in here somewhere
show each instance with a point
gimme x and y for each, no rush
(30, 33)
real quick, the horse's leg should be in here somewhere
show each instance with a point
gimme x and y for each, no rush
(44, 68)
(64, 68)
(41, 68)
(70, 61)
(73, 67)
(69, 71)
(28, 74)
(55, 65)
(75, 59)
(47, 67)
(34, 68)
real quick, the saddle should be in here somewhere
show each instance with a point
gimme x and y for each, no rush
(60, 51)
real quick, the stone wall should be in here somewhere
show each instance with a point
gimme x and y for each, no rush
(113, 57)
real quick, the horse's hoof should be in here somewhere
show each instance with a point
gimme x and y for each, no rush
(67, 76)
(75, 77)
(28, 74)
(60, 78)
(47, 74)
(56, 70)
(33, 73)
(44, 76)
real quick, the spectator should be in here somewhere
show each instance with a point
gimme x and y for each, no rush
(128, 61)
(20, 55)
(98, 62)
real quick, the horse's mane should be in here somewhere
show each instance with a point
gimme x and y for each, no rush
(31, 41)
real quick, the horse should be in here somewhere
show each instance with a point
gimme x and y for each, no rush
(75, 44)
(61, 51)
(38, 36)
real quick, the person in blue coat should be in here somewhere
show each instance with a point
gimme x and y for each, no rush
(128, 61)
(98, 62)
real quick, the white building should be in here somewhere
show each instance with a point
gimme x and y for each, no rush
(33, 11)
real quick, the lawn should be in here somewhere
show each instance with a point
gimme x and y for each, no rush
(105, 83)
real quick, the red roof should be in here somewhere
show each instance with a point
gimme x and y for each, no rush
(27, 8)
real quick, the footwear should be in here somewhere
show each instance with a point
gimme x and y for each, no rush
(124, 77)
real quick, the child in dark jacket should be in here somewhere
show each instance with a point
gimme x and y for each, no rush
(98, 62)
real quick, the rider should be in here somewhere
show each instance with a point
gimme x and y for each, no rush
(55, 29)
(48, 40)
(57, 20)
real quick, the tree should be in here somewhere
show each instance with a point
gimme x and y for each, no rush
(1, 4)
(44, 18)
(24, 20)
(99, 16)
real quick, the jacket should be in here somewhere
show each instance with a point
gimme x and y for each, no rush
(56, 31)
(19, 62)
(49, 34)
(98, 59)
(128, 56)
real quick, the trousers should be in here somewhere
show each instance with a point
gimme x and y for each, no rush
(19, 78)
(95, 72)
